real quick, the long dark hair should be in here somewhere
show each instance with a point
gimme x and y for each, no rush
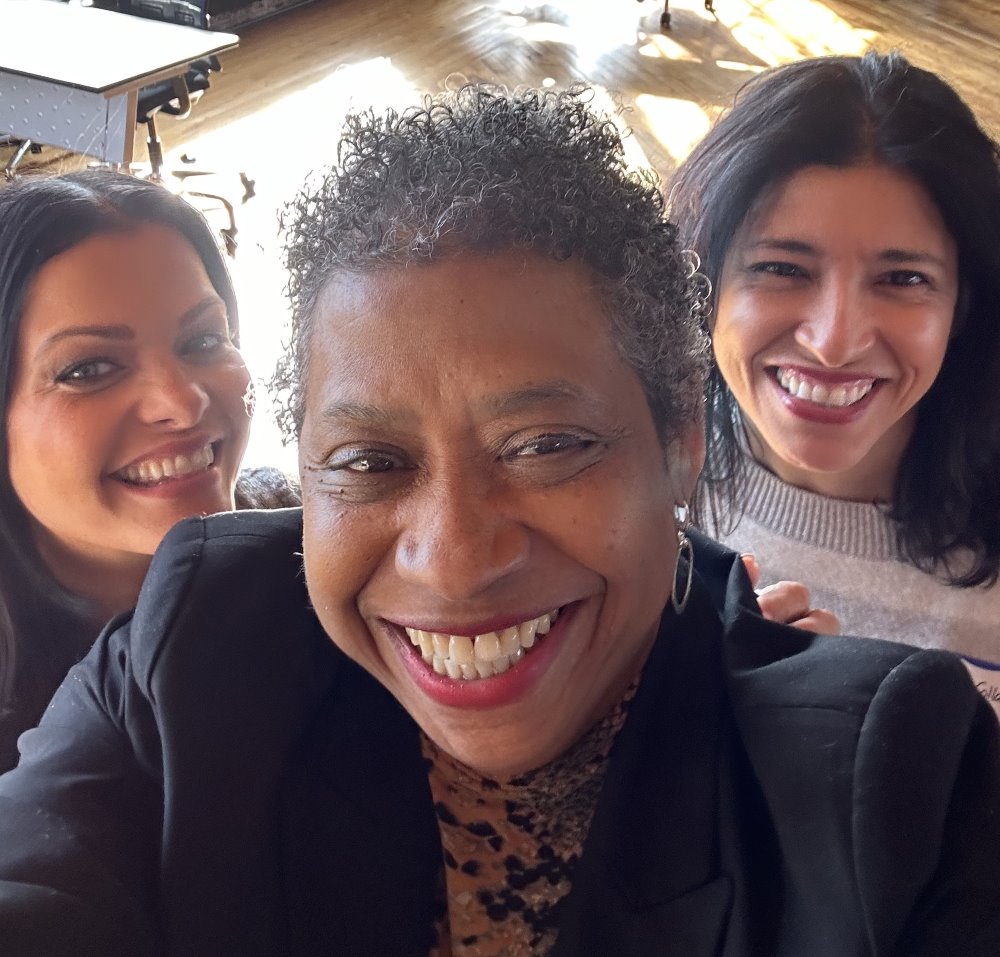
(43, 627)
(838, 111)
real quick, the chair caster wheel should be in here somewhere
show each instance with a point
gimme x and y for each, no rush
(710, 6)
(665, 21)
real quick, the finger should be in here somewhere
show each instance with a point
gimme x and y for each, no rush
(752, 567)
(784, 601)
(820, 621)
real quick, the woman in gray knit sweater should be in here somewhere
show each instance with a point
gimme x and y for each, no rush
(847, 214)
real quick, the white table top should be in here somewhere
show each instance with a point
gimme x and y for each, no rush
(96, 50)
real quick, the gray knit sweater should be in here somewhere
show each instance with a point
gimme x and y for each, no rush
(846, 553)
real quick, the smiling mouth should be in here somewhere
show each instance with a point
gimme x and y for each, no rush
(824, 394)
(154, 471)
(471, 659)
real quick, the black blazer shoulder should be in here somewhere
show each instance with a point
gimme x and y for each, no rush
(222, 683)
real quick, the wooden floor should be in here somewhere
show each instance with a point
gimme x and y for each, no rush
(676, 80)
(275, 109)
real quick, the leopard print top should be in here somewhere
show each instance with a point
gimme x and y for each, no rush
(511, 848)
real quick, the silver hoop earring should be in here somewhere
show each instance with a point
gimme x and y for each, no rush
(685, 550)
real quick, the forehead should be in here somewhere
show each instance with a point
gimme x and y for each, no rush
(872, 202)
(464, 340)
(462, 327)
(115, 276)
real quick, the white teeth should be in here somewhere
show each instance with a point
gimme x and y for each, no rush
(837, 397)
(460, 649)
(484, 668)
(528, 632)
(488, 646)
(152, 471)
(466, 659)
(510, 640)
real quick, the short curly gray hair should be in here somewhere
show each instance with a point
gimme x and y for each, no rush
(483, 169)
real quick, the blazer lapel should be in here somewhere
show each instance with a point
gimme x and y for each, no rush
(649, 881)
(361, 847)
(232, 748)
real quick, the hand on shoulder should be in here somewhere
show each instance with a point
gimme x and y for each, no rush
(789, 603)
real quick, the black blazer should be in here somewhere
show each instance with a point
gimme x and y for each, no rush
(216, 778)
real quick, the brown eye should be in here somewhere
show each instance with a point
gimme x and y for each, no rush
(91, 370)
(906, 278)
(370, 463)
(551, 444)
(783, 270)
(365, 462)
(206, 342)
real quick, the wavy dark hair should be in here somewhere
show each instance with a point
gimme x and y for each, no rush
(839, 111)
(483, 169)
(44, 628)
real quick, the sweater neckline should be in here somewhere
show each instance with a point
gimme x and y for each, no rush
(859, 529)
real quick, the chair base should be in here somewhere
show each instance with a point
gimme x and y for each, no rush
(23, 148)
(157, 174)
(665, 16)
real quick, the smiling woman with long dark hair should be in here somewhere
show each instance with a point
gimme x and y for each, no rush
(487, 694)
(122, 410)
(847, 213)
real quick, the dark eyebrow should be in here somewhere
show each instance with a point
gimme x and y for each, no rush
(114, 333)
(123, 333)
(209, 302)
(510, 403)
(357, 412)
(911, 256)
(507, 403)
(803, 248)
(785, 246)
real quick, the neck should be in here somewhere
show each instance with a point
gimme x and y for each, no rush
(871, 479)
(109, 582)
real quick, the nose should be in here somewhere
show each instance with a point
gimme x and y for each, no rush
(458, 542)
(172, 395)
(839, 327)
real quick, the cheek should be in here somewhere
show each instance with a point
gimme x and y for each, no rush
(927, 350)
(625, 531)
(56, 459)
(343, 548)
(729, 331)
(55, 442)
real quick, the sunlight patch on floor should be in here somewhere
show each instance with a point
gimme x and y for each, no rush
(677, 124)
(592, 28)
(779, 31)
(658, 45)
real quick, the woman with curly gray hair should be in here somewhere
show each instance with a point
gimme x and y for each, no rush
(487, 695)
